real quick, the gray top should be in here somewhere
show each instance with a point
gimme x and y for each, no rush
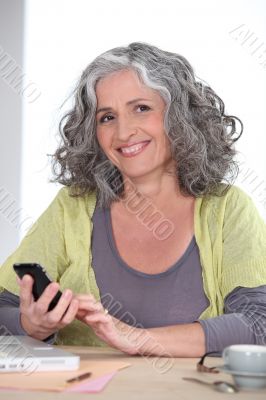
(152, 300)
(172, 297)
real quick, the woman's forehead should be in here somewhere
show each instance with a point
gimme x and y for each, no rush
(123, 84)
(124, 76)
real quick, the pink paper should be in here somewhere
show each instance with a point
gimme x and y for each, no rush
(92, 386)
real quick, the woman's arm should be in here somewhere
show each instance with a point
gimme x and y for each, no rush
(10, 314)
(24, 316)
(10, 320)
(185, 340)
(244, 321)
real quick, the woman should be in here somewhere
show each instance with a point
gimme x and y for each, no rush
(154, 253)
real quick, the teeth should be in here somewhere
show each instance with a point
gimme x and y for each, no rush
(132, 149)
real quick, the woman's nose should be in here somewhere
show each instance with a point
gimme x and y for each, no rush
(125, 128)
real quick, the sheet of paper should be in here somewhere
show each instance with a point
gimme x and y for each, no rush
(92, 386)
(56, 381)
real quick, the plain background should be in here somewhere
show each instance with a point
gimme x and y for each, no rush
(53, 41)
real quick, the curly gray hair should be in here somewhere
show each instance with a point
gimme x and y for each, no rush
(200, 133)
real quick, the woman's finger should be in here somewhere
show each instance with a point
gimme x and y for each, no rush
(85, 297)
(58, 312)
(86, 310)
(47, 296)
(71, 313)
(81, 314)
(90, 306)
(98, 317)
(25, 294)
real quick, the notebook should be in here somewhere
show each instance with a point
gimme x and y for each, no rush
(23, 353)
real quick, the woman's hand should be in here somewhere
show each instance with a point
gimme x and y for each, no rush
(112, 331)
(36, 320)
(182, 340)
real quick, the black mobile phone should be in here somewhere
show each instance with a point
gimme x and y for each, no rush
(41, 280)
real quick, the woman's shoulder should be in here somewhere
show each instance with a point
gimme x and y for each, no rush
(237, 198)
(229, 194)
(225, 201)
(67, 200)
(68, 194)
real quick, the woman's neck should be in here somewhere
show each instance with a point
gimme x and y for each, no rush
(163, 192)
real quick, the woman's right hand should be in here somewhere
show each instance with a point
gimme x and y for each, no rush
(36, 320)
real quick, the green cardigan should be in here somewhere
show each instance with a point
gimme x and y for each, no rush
(229, 232)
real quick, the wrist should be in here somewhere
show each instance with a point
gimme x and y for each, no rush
(140, 340)
(129, 337)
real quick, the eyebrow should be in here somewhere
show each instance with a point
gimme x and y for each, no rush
(128, 104)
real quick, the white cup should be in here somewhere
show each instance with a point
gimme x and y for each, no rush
(245, 358)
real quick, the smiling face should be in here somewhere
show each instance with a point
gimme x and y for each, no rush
(130, 127)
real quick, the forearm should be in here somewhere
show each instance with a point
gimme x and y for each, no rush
(10, 321)
(185, 340)
(10, 314)
(244, 321)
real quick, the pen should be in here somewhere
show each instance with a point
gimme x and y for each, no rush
(79, 377)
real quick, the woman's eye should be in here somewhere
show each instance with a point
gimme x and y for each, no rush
(142, 107)
(106, 118)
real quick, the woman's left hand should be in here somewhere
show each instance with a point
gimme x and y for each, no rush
(112, 331)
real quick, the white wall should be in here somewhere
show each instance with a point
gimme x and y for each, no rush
(11, 54)
(63, 36)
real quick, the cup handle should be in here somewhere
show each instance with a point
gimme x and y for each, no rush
(225, 355)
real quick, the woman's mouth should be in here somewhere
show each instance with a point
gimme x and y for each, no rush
(133, 150)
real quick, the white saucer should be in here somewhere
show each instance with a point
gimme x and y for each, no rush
(227, 370)
(245, 379)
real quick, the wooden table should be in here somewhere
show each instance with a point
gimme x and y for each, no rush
(146, 378)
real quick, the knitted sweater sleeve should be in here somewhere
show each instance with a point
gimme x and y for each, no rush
(244, 244)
